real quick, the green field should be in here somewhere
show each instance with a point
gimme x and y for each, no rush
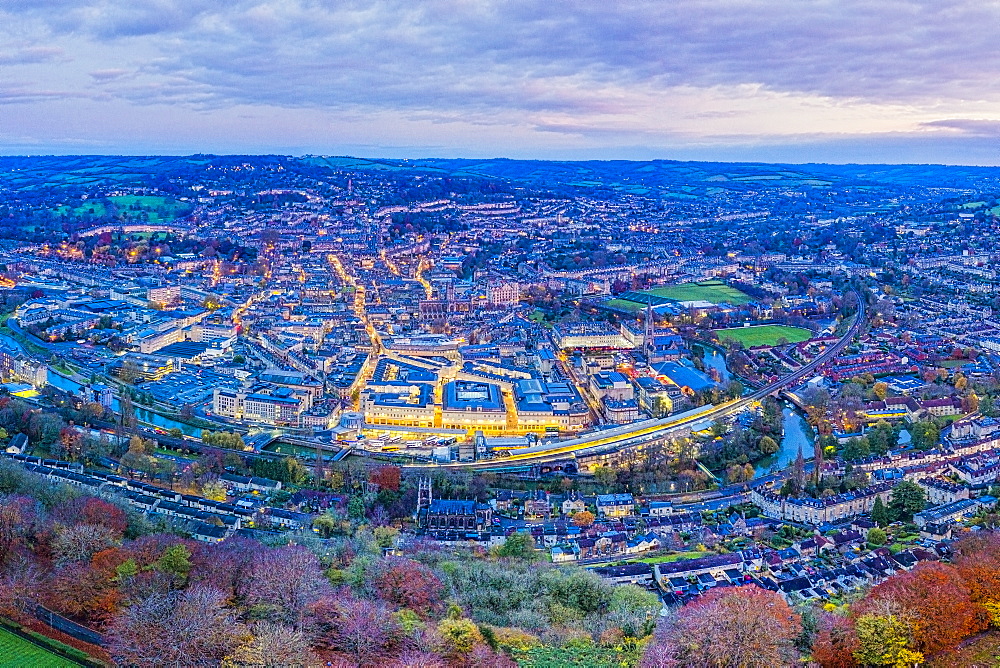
(671, 558)
(624, 305)
(764, 335)
(16, 651)
(157, 209)
(94, 208)
(716, 292)
(291, 449)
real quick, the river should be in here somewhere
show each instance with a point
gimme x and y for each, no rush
(142, 414)
(797, 434)
(713, 360)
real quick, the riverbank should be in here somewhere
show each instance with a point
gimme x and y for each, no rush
(796, 434)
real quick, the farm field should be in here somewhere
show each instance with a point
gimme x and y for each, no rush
(16, 651)
(716, 292)
(764, 335)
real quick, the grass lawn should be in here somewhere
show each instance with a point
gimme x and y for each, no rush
(290, 449)
(624, 305)
(174, 453)
(94, 208)
(764, 335)
(153, 205)
(951, 364)
(16, 651)
(587, 656)
(716, 292)
(671, 558)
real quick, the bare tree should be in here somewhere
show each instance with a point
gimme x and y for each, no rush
(273, 646)
(81, 542)
(745, 626)
(189, 628)
(361, 628)
(287, 578)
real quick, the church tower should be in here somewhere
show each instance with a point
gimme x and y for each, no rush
(424, 498)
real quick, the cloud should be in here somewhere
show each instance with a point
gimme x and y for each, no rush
(104, 76)
(13, 94)
(595, 71)
(326, 51)
(968, 126)
(31, 55)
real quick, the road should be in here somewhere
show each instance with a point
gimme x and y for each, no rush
(601, 443)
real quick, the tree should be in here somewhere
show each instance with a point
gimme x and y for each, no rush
(79, 590)
(885, 640)
(129, 371)
(742, 626)
(876, 537)
(71, 443)
(175, 561)
(409, 584)
(386, 477)
(518, 545)
(924, 435)
(662, 650)
(881, 390)
(605, 476)
(459, 636)
(977, 559)
(907, 498)
(767, 445)
(361, 628)
(880, 514)
(938, 603)
(81, 542)
(93, 511)
(883, 437)
(385, 536)
(735, 474)
(183, 628)
(835, 642)
(583, 519)
(576, 591)
(272, 646)
(214, 490)
(856, 448)
(634, 610)
(285, 580)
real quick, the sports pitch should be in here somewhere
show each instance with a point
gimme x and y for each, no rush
(716, 292)
(16, 651)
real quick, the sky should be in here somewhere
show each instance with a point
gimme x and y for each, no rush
(878, 81)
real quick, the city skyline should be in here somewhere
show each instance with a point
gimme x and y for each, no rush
(844, 82)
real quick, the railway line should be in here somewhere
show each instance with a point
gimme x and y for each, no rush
(639, 433)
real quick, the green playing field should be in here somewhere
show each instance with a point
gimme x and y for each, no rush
(716, 292)
(16, 651)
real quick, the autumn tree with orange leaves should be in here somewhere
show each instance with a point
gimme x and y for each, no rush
(939, 601)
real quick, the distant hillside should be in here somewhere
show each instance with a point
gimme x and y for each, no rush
(659, 178)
